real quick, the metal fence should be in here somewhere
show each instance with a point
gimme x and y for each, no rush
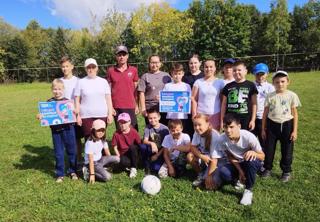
(293, 62)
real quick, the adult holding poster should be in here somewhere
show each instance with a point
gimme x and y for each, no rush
(150, 84)
(93, 98)
(123, 79)
(206, 94)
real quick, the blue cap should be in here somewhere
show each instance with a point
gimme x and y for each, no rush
(229, 61)
(260, 68)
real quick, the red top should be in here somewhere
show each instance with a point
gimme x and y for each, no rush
(122, 86)
(122, 141)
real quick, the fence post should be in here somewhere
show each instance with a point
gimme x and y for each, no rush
(47, 74)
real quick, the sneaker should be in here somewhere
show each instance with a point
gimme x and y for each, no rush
(198, 181)
(85, 172)
(133, 172)
(246, 198)
(59, 180)
(74, 176)
(239, 185)
(285, 177)
(266, 173)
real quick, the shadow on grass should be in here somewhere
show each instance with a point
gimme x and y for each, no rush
(38, 158)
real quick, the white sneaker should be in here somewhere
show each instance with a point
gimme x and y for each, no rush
(133, 172)
(198, 181)
(239, 185)
(85, 172)
(246, 198)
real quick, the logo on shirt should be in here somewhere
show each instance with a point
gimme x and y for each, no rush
(130, 74)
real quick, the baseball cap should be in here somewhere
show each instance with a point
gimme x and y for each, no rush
(98, 124)
(124, 117)
(121, 48)
(229, 61)
(90, 61)
(280, 72)
(260, 68)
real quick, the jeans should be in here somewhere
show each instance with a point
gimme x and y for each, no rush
(228, 173)
(65, 139)
(146, 154)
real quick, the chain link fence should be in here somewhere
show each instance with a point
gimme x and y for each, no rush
(293, 62)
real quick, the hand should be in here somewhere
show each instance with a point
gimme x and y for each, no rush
(209, 183)
(109, 119)
(263, 134)
(242, 177)
(250, 155)
(154, 147)
(252, 124)
(154, 157)
(144, 113)
(157, 97)
(39, 116)
(92, 179)
(205, 158)
(171, 171)
(114, 112)
(293, 136)
(79, 120)
(136, 111)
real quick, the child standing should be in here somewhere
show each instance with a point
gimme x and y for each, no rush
(204, 147)
(93, 154)
(280, 122)
(125, 142)
(177, 85)
(240, 97)
(175, 145)
(151, 149)
(261, 72)
(244, 154)
(227, 70)
(63, 137)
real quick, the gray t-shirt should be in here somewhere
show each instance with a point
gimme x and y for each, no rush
(156, 135)
(247, 141)
(151, 84)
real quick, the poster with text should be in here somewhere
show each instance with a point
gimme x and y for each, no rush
(57, 112)
(175, 101)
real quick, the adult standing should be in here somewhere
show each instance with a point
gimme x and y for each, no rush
(93, 98)
(123, 79)
(150, 84)
(190, 77)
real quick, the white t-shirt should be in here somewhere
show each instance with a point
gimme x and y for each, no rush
(94, 148)
(226, 81)
(263, 89)
(92, 92)
(70, 86)
(177, 87)
(247, 141)
(199, 142)
(169, 143)
(209, 95)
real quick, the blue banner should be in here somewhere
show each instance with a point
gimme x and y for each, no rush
(175, 102)
(56, 112)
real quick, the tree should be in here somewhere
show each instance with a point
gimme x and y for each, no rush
(159, 29)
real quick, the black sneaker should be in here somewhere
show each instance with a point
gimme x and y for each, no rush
(266, 173)
(285, 177)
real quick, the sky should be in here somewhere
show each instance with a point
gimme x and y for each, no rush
(77, 14)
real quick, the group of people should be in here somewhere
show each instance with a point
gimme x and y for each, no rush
(253, 116)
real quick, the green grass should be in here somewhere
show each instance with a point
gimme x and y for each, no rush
(28, 191)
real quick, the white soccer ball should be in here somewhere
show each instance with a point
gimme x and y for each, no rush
(150, 185)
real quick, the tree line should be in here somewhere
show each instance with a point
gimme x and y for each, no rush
(211, 28)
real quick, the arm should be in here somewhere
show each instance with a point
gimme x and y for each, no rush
(116, 151)
(294, 133)
(153, 145)
(194, 100)
(77, 110)
(142, 100)
(107, 152)
(236, 164)
(136, 96)
(111, 111)
(91, 169)
(183, 148)
(264, 123)
(252, 122)
(253, 155)
(223, 109)
(166, 156)
(199, 155)
(209, 183)
(156, 156)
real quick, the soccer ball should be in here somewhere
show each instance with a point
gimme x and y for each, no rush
(150, 185)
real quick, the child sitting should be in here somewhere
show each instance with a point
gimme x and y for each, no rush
(125, 142)
(93, 154)
(175, 145)
(151, 149)
(63, 137)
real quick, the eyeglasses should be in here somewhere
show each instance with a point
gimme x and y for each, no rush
(102, 130)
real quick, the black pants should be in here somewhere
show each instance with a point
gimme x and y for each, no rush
(132, 115)
(282, 132)
(257, 131)
(130, 158)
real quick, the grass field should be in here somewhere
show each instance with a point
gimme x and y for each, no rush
(28, 191)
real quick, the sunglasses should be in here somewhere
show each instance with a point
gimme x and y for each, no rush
(102, 130)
